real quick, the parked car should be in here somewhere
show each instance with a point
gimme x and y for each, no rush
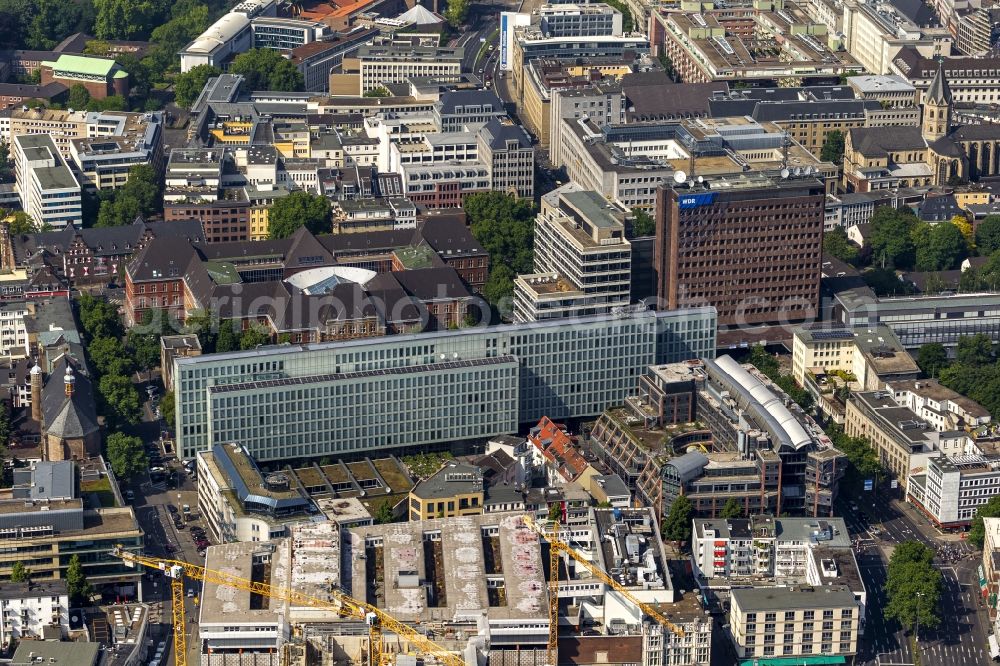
(171, 508)
(129, 495)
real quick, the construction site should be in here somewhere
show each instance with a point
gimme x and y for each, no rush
(500, 589)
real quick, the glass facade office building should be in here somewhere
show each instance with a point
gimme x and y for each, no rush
(359, 396)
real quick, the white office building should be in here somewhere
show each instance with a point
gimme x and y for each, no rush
(582, 259)
(50, 192)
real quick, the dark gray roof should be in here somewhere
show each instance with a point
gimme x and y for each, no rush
(983, 132)
(918, 12)
(938, 91)
(939, 209)
(452, 479)
(882, 140)
(449, 237)
(452, 99)
(428, 284)
(653, 95)
(68, 417)
(499, 133)
(34, 589)
(104, 241)
(778, 111)
(27, 90)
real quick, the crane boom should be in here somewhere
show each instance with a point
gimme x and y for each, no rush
(347, 605)
(555, 543)
(180, 627)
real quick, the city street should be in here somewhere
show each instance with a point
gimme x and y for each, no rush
(881, 522)
(151, 504)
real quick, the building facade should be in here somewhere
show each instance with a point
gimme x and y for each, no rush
(749, 246)
(50, 192)
(497, 377)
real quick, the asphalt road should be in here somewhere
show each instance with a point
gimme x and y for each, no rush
(151, 509)
(881, 521)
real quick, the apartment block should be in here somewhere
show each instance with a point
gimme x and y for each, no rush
(496, 376)
(812, 620)
(465, 110)
(49, 190)
(582, 258)
(34, 610)
(749, 245)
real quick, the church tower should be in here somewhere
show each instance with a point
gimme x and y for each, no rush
(937, 107)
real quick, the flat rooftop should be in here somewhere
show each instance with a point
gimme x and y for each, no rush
(315, 557)
(793, 598)
(222, 604)
(459, 563)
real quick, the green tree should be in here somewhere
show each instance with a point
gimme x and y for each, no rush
(977, 533)
(677, 526)
(505, 226)
(22, 223)
(456, 12)
(76, 581)
(499, 287)
(298, 209)
(139, 196)
(99, 318)
(836, 244)
(942, 248)
(79, 96)
(891, 237)
(188, 86)
(732, 509)
(254, 337)
(383, 514)
(833, 147)
(126, 455)
(642, 223)
(988, 235)
(167, 407)
(885, 282)
(266, 69)
(970, 281)
(989, 273)
(913, 586)
(932, 358)
(204, 325)
(122, 19)
(555, 512)
(378, 91)
(974, 350)
(52, 22)
(227, 340)
(145, 350)
(120, 396)
(19, 573)
(109, 356)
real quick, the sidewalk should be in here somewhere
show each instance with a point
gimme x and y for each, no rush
(920, 521)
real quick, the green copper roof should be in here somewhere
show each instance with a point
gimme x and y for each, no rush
(82, 65)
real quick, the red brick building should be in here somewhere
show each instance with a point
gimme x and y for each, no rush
(100, 76)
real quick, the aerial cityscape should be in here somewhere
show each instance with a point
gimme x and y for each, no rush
(499, 333)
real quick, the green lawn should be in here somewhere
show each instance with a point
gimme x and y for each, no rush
(102, 487)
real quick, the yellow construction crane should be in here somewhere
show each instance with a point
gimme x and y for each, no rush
(558, 546)
(375, 618)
